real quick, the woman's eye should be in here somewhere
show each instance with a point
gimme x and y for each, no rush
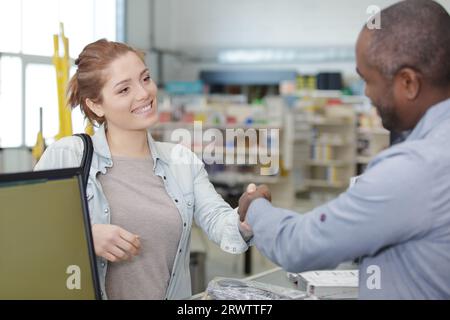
(124, 90)
(147, 78)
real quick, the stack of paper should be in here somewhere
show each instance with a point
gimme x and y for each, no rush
(335, 284)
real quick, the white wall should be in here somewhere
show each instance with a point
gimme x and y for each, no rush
(203, 27)
(138, 23)
(265, 23)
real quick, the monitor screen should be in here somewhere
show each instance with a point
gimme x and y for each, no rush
(45, 237)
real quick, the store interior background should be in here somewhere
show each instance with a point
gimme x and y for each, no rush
(264, 59)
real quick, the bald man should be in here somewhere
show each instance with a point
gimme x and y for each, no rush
(396, 218)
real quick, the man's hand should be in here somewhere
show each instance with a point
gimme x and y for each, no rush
(115, 243)
(253, 192)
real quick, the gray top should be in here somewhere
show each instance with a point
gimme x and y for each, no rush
(140, 204)
(396, 217)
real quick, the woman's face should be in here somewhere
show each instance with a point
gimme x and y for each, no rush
(129, 95)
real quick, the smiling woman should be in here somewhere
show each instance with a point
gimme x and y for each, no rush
(143, 195)
(102, 68)
(113, 86)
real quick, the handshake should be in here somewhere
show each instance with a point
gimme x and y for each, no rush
(253, 192)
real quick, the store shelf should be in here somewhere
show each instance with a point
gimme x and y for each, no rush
(329, 155)
(329, 122)
(363, 160)
(325, 184)
(319, 93)
(304, 188)
(326, 163)
(225, 153)
(371, 141)
(332, 144)
(379, 131)
(242, 178)
(310, 129)
(190, 125)
(301, 140)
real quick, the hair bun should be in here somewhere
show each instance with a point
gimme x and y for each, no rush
(77, 61)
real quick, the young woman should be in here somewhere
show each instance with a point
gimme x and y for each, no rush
(143, 195)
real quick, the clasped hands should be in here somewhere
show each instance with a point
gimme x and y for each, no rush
(253, 192)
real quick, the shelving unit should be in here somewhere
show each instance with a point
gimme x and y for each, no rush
(323, 141)
(371, 138)
(334, 138)
(324, 148)
(234, 120)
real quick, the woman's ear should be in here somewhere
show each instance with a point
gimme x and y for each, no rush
(95, 108)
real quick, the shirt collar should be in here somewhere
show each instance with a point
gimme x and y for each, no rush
(154, 150)
(432, 118)
(102, 149)
(100, 143)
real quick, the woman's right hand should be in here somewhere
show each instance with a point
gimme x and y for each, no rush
(115, 243)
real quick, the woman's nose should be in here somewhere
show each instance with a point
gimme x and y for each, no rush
(143, 93)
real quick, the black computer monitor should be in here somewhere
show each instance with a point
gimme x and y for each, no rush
(46, 247)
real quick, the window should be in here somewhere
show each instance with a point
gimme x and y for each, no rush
(10, 19)
(10, 102)
(27, 75)
(40, 86)
(39, 23)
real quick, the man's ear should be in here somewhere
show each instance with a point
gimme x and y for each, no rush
(95, 108)
(410, 82)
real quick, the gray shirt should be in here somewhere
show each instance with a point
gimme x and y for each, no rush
(140, 204)
(396, 217)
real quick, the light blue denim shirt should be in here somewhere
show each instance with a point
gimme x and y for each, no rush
(396, 217)
(186, 182)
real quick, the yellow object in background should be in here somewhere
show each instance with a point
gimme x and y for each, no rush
(62, 77)
(200, 117)
(89, 129)
(40, 146)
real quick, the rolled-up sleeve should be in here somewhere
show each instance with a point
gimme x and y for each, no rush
(387, 205)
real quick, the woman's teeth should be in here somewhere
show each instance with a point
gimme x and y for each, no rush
(142, 109)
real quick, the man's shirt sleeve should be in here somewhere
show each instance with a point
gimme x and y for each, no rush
(391, 203)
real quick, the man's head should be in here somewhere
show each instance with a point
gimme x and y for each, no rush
(406, 63)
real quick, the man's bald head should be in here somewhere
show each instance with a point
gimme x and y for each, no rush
(414, 34)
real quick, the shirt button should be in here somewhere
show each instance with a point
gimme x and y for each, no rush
(103, 264)
(185, 224)
(179, 251)
(106, 210)
(189, 203)
(176, 200)
(165, 178)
